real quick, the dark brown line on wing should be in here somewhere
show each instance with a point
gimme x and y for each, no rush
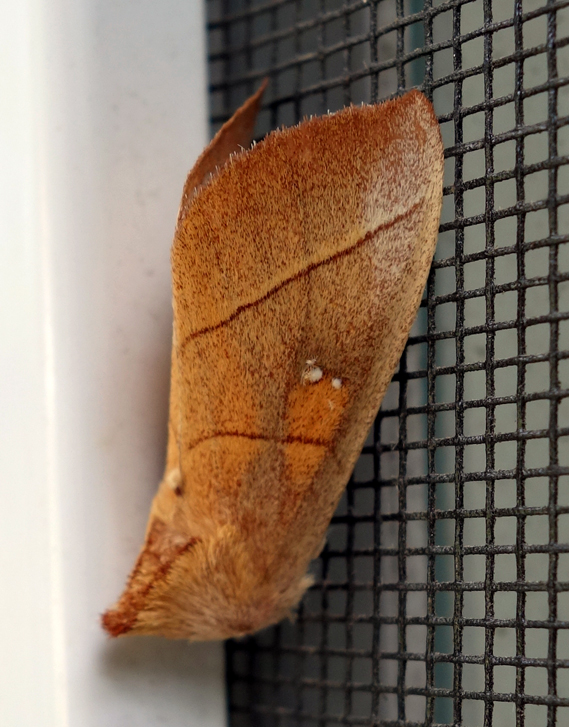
(301, 274)
(264, 437)
(122, 619)
(165, 568)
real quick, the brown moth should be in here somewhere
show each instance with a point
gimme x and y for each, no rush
(298, 267)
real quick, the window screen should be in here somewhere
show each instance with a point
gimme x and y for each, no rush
(442, 595)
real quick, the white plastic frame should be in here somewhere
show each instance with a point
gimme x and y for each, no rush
(103, 111)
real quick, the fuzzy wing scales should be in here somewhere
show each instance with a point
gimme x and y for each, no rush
(316, 244)
(297, 273)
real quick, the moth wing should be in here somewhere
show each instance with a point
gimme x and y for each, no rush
(297, 273)
(234, 136)
(313, 246)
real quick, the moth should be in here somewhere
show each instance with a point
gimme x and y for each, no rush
(298, 266)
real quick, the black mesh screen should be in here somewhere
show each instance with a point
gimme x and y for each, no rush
(442, 595)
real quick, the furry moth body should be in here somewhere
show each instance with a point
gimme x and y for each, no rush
(298, 267)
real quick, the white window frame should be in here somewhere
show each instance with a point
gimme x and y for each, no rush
(104, 109)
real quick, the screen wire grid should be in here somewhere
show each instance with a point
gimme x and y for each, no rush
(442, 595)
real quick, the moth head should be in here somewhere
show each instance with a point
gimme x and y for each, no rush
(202, 588)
